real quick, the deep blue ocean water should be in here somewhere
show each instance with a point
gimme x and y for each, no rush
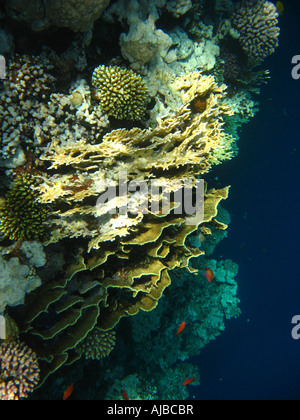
(256, 357)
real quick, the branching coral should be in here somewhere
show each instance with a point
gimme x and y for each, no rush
(21, 216)
(19, 371)
(256, 20)
(123, 94)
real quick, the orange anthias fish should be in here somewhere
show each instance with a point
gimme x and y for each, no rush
(209, 274)
(180, 328)
(188, 381)
(125, 396)
(68, 391)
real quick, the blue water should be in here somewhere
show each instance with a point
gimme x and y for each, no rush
(256, 357)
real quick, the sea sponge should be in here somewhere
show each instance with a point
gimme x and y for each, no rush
(21, 216)
(123, 94)
(19, 371)
(256, 21)
(97, 344)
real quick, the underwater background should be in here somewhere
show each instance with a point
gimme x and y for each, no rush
(163, 327)
(263, 356)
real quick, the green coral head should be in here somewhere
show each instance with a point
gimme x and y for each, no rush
(123, 94)
(22, 217)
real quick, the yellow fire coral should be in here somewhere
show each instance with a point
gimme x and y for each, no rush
(182, 146)
(122, 93)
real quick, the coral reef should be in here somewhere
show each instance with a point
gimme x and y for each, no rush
(179, 8)
(149, 49)
(118, 269)
(232, 67)
(257, 23)
(19, 371)
(31, 113)
(100, 290)
(18, 272)
(204, 311)
(21, 216)
(137, 388)
(144, 43)
(28, 85)
(244, 108)
(122, 93)
(16, 279)
(73, 14)
(182, 146)
(129, 255)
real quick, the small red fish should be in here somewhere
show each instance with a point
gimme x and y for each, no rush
(68, 391)
(125, 396)
(209, 274)
(180, 328)
(188, 381)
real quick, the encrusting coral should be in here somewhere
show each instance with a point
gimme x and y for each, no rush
(122, 92)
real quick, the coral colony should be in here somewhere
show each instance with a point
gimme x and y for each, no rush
(80, 278)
